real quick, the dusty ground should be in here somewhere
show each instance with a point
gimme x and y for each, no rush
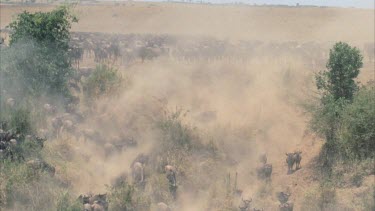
(229, 97)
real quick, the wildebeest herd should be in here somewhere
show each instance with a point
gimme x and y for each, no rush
(129, 48)
(132, 48)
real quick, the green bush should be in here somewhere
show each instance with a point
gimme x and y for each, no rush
(344, 116)
(38, 60)
(358, 125)
(105, 80)
(175, 132)
(127, 197)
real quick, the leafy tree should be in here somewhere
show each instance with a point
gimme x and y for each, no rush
(38, 58)
(358, 125)
(338, 87)
(342, 68)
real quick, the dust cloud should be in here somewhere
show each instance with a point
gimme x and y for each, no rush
(245, 107)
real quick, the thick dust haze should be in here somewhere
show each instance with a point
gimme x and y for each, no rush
(244, 107)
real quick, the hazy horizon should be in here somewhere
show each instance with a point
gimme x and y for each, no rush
(331, 3)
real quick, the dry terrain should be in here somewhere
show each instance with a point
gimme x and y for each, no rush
(245, 104)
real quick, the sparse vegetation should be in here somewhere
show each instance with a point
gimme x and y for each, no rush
(104, 81)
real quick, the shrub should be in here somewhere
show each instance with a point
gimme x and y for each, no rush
(38, 58)
(358, 125)
(175, 132)
(125, 197)
(105, 80)
(66, 203)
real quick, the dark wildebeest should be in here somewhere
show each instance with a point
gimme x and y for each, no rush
(283, 197)
(265, 172)
(298, 158)
(290, 160)
(246, 205)
(171, 176)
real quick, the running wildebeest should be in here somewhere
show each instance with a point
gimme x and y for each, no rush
(10, 102)
(298, 158)
(293, 158)
(163, 207)
(138, 172)
(283, 197)
(171, 176)
(94, 202)
(263, 158)
(284, 204)
(290, 161)
(49, 109)
(246, 205)
(265, 171)
(288, 206)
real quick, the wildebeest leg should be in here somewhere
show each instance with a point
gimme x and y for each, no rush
(142, 174)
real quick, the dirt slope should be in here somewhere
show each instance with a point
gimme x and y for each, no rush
(230, 94)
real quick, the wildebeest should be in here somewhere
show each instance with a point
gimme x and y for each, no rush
(138, 172)
(245, 205)
(49, 109)
(97, 206)
(120, 180)
(40, 165)
(298, 158)
(263, 158)
(171, 176)
(288, 206)
(163, 207)
(10, 102)
(290, 161)
(87, 207)
(293, 158)
(94, 202)
(265, 172)
(283, 197)
(142, 158)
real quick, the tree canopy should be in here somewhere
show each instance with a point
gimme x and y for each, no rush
(38, 59)
(342, 68)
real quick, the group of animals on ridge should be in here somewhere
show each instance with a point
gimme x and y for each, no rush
(69, 121)
(130, 48)
(91, 202)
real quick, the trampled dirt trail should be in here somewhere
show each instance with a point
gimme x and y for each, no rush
(298, 181)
